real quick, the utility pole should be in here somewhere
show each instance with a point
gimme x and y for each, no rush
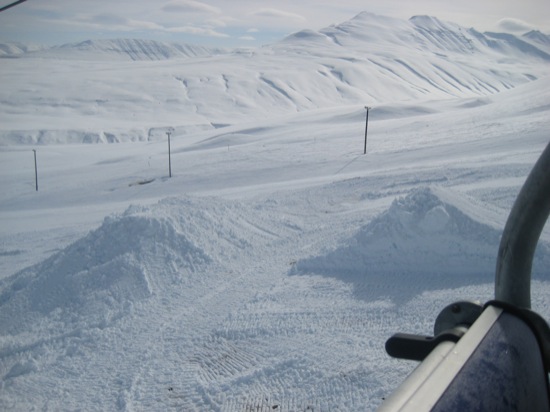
(35, 171)
(169, 160)
(367, 108)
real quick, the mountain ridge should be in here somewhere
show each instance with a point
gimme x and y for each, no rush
(14, 49)
(119, 48)
(367, 60)
(427, 32)
(364, 26)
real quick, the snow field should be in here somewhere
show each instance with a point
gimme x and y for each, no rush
(257, 298)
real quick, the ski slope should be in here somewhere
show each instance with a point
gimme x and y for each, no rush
(269, 270)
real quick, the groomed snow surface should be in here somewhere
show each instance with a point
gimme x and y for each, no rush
(269, 270)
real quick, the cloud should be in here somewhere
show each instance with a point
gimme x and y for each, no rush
(220, 21)
(117, 22)
(109, 19)
(144, 25)
(189, 6)
(514, 25)
(277, 14)
(200, 31)
(112, 21)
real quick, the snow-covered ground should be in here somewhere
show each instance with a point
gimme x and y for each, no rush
(269, 270)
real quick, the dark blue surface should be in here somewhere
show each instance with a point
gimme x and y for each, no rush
(505, 373)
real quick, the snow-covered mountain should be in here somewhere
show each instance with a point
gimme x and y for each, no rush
(132, 49)
(371, 33)
(16, 49)
(425, 32)
(112, 49)
(538, 37)
(370, 59)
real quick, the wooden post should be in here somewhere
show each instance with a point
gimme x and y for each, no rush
(366, 128)
(169, 160)
(35, 171)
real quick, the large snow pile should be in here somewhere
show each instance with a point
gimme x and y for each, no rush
(430, 231)
(432, 234)
(144, 251)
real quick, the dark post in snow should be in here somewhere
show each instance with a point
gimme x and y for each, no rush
(367, 108)
(35, 171)
(169, 160)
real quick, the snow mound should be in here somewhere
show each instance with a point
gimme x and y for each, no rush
(431, 231)
(130, 257)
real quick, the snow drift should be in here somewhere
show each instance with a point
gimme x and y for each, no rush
(127, 259)
(430, 232)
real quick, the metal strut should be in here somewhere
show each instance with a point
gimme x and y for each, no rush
(12, 5)
(521, 234)
(479, 353)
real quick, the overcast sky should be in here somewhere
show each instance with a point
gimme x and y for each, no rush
(232, 23)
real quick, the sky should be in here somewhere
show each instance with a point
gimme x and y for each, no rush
(242, 23)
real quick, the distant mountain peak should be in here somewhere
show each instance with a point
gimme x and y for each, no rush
(17, 48)
(371, 19)
(306, 35)
(425, 21)
(140, 49)
(365, 15)
(107, 49)
(538, 37)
